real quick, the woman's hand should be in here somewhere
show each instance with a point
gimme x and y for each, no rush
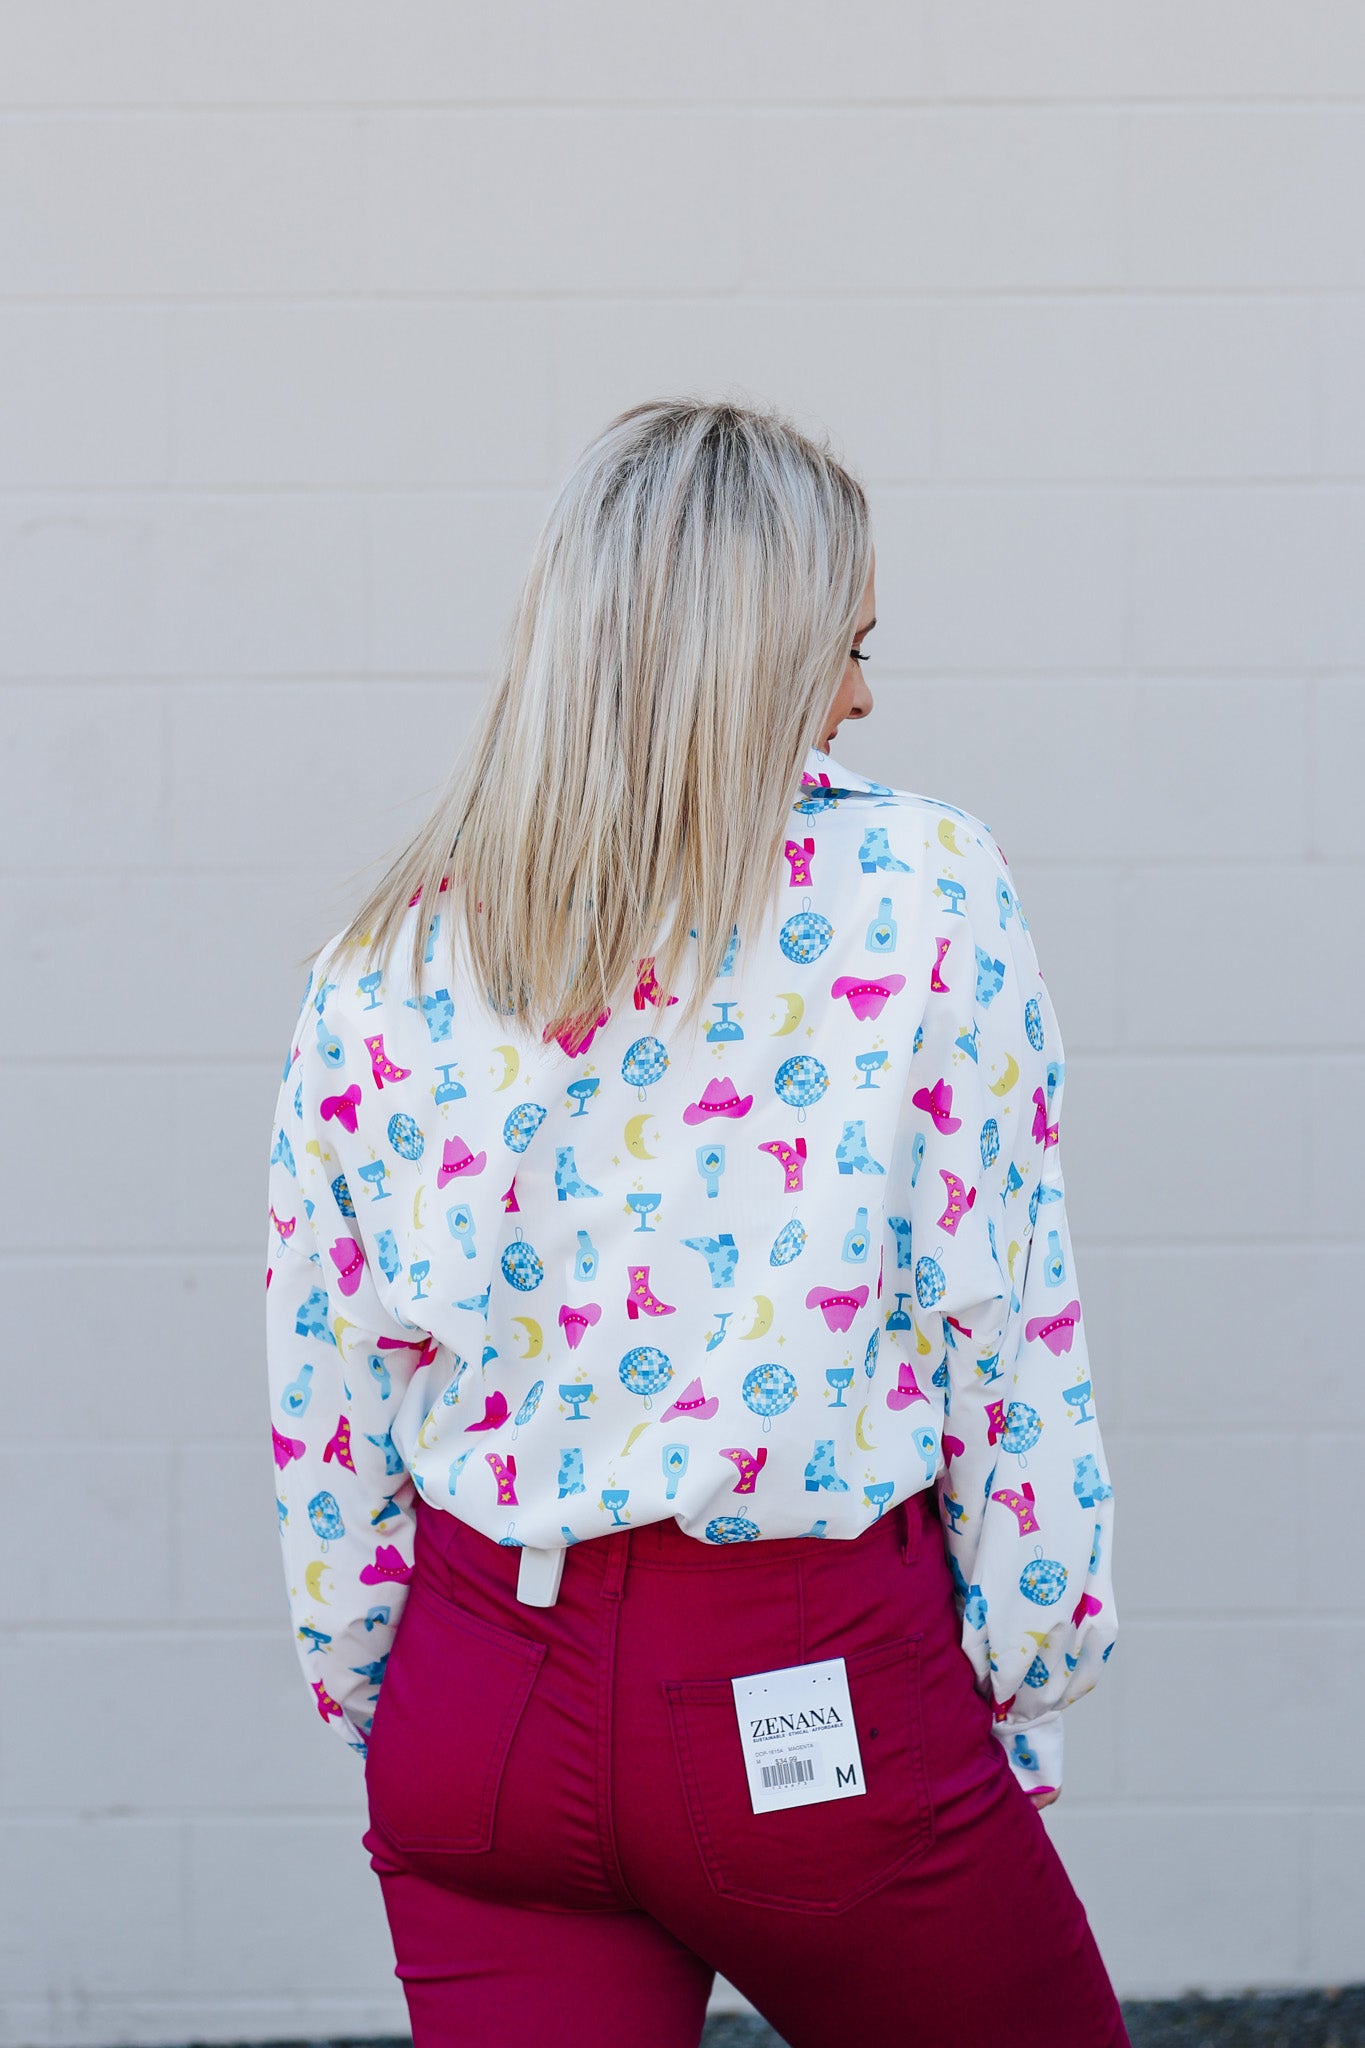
(1045, 1795)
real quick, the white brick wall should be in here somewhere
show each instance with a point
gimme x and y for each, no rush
(303, 311)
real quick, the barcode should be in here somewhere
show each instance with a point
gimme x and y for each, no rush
(788, 1771)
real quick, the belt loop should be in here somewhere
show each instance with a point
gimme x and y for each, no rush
(906, 1530)
(538, 1575)
(614, 1564)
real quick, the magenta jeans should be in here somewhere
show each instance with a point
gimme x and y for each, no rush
(561, 1826)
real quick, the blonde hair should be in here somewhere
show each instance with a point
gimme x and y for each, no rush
(680, 634)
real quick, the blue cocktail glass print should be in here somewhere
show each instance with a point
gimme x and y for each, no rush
(724, 1032)
(614, 1499)
(841, 1378)
(448, 1090)
(1079, 1397)
(417, 1273)
(370, 983)
(583, 1091)
(899, 1318)
(575, 1395)
(643, 1206)
(868, 1064)
(376, 1173)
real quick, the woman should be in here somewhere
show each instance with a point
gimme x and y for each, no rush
(692, 1499)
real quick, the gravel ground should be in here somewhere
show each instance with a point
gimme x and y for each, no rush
(1286, 2019)
(1280, 2019)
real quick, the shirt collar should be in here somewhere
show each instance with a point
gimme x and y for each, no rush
(822, 775)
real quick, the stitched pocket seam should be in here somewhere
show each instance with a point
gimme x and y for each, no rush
(696, 1812)
(531, 1654)
(906, 1649)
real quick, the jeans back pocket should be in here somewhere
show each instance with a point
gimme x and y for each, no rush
(825, 1857)
(453, 1692)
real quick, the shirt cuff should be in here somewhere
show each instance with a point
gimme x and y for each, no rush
(1034, 1749)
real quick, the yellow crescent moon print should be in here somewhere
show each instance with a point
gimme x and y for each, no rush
(430, 1421)
(945, 833)
(763, 1317)
(638, 1430)
(417, 1205)
(312, 1578)
(635, 1135)
(339, 1327)
(511, 1066)
(864, 1444)
(1008, 1078)
(535, 1336)
(796, 1010)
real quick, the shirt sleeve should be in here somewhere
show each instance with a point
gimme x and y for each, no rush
(1025, 1497)
(339, 1361)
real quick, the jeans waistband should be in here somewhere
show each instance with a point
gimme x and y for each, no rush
(663, 1546)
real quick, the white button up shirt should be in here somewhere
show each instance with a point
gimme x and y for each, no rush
(769, 1291)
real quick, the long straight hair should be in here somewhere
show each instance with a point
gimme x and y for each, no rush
(680, 635)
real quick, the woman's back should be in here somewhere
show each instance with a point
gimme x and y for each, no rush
(767, 1284)
(627, 1251)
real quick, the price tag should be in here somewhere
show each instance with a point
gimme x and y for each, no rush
(800, 1744)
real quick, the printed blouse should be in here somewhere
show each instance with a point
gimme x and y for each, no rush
(770, 1288)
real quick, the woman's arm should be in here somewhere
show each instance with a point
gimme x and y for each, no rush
(1025, 1499)
(339, 1363)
